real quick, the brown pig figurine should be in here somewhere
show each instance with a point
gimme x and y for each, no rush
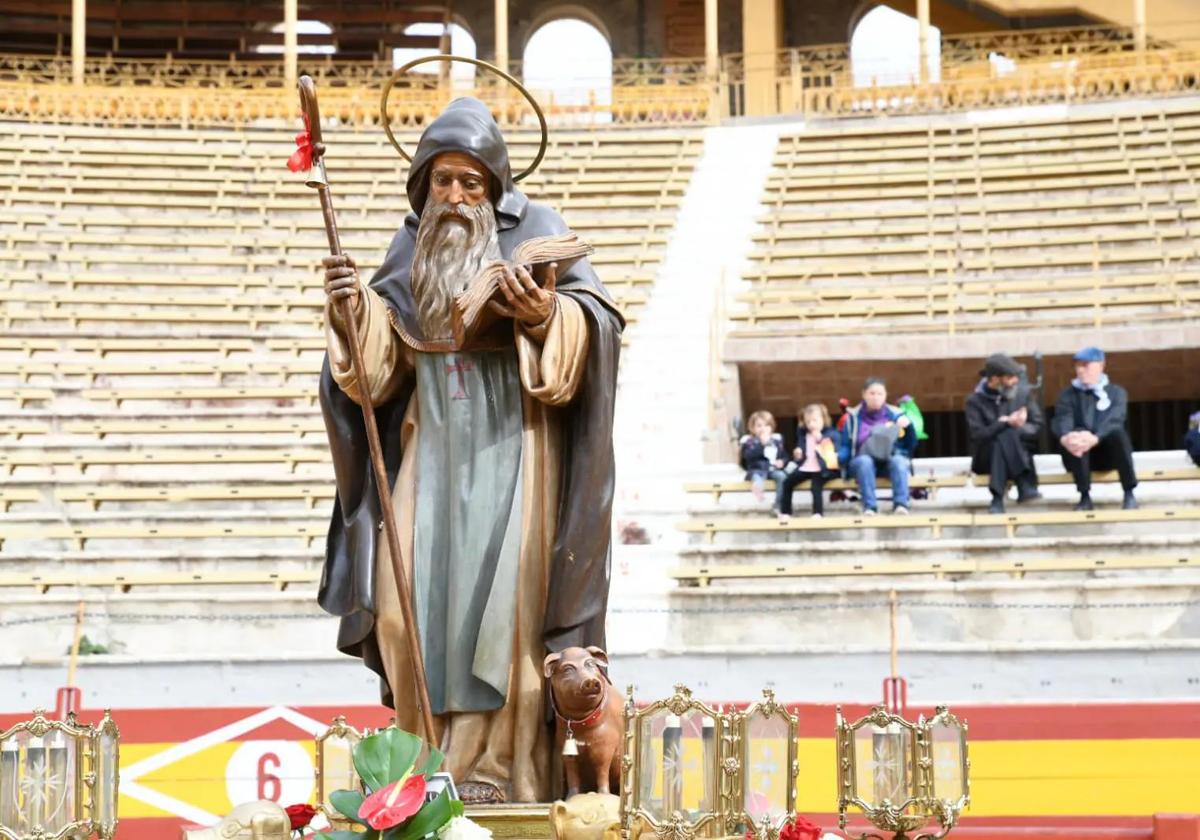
(589, 717)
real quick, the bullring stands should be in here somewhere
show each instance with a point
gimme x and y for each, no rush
(940, 227)
(161, 311)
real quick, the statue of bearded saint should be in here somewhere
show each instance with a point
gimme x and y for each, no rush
(499, 451)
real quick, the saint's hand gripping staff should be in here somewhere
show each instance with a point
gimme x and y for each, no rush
(312, 153)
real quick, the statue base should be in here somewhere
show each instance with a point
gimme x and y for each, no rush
(521, 821)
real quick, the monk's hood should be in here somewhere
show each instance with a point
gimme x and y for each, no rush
(467, 126)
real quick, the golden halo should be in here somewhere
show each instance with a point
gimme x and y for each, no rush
(387, 88)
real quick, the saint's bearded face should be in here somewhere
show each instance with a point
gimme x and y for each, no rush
(456, 237)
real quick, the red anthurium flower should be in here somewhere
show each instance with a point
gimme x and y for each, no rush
(300, 815)
(801, 829)
(303, 156)
(392, 805)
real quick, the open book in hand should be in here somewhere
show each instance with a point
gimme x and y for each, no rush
(536, 255)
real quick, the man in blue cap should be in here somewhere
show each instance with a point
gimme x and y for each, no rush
(1089, 421)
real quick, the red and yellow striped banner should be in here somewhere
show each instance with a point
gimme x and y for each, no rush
(1062, 764)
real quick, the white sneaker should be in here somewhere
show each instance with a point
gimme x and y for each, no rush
(868, 512)
(900, 510)
(817, 516)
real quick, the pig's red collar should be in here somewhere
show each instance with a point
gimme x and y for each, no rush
(591, 717)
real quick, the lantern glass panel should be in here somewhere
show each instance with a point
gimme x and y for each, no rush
(10, 777)
(883, 765)
(60, 789)
(766, 768)
(337, 767)
(948, 746)
(106, 779)
(678, 764)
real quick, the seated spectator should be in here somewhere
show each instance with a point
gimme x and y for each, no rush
(1191, 440)
(762, 452)
(1089, 422)
(814, 459)
(876, 438)
(1003, 423)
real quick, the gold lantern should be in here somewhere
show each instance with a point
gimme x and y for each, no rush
(676, 776)
(763, 741)
(59, 779)
(335, 766)
(903, 775)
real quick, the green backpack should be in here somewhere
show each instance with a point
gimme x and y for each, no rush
(909, 406)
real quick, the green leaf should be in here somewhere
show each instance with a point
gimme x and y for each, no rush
(429, 819)
(371, 834)
(348, 802)
(372, 760)
(385, 757)
(436, 757)
(405, 749)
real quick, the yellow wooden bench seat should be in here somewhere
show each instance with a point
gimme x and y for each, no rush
(185, 425)
(716, 488)
(784, 292)
(935, 307)
(117, 396)
(943, 230)
(1038, 165)
(75, 315)
(942, 149)
(182, 344)
(710, 526)
(123, 583)
(81, 534)
(935, 522)
(20, 428)
(968, 242)
(21, 396)
(954, 190)
(703, 575)
(217, 369)
(11, 459)
(943, 325)
(1044, 205)
(10, 496)
(95, 496)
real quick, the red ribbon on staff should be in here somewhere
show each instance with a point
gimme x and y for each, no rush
(302, 158)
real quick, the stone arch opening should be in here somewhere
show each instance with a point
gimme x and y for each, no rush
(568, 64)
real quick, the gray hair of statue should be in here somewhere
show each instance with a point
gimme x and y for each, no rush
(453, 243)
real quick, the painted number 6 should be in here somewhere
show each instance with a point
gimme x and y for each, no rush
(269, 785)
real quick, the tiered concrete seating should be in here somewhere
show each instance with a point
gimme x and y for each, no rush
(736, 533)
(1084, 221)
(253, 233)
(160, 304)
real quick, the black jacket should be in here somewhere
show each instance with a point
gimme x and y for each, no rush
(1191, 442)
(985, 407)
(754, 455)
(1076, 412)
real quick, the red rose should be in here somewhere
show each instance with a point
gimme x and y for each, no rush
(801, 829)
(389, 806)
(300, 815)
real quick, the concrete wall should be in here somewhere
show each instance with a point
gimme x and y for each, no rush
(943, 384)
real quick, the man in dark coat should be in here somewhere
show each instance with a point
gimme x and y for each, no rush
(499, 449)
(1089, 422)
(1003, 422)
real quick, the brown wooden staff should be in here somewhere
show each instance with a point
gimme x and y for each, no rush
(316, 178)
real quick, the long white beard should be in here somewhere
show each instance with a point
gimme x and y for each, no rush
(453, 243)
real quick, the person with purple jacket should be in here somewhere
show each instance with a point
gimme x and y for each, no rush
(878, 437)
